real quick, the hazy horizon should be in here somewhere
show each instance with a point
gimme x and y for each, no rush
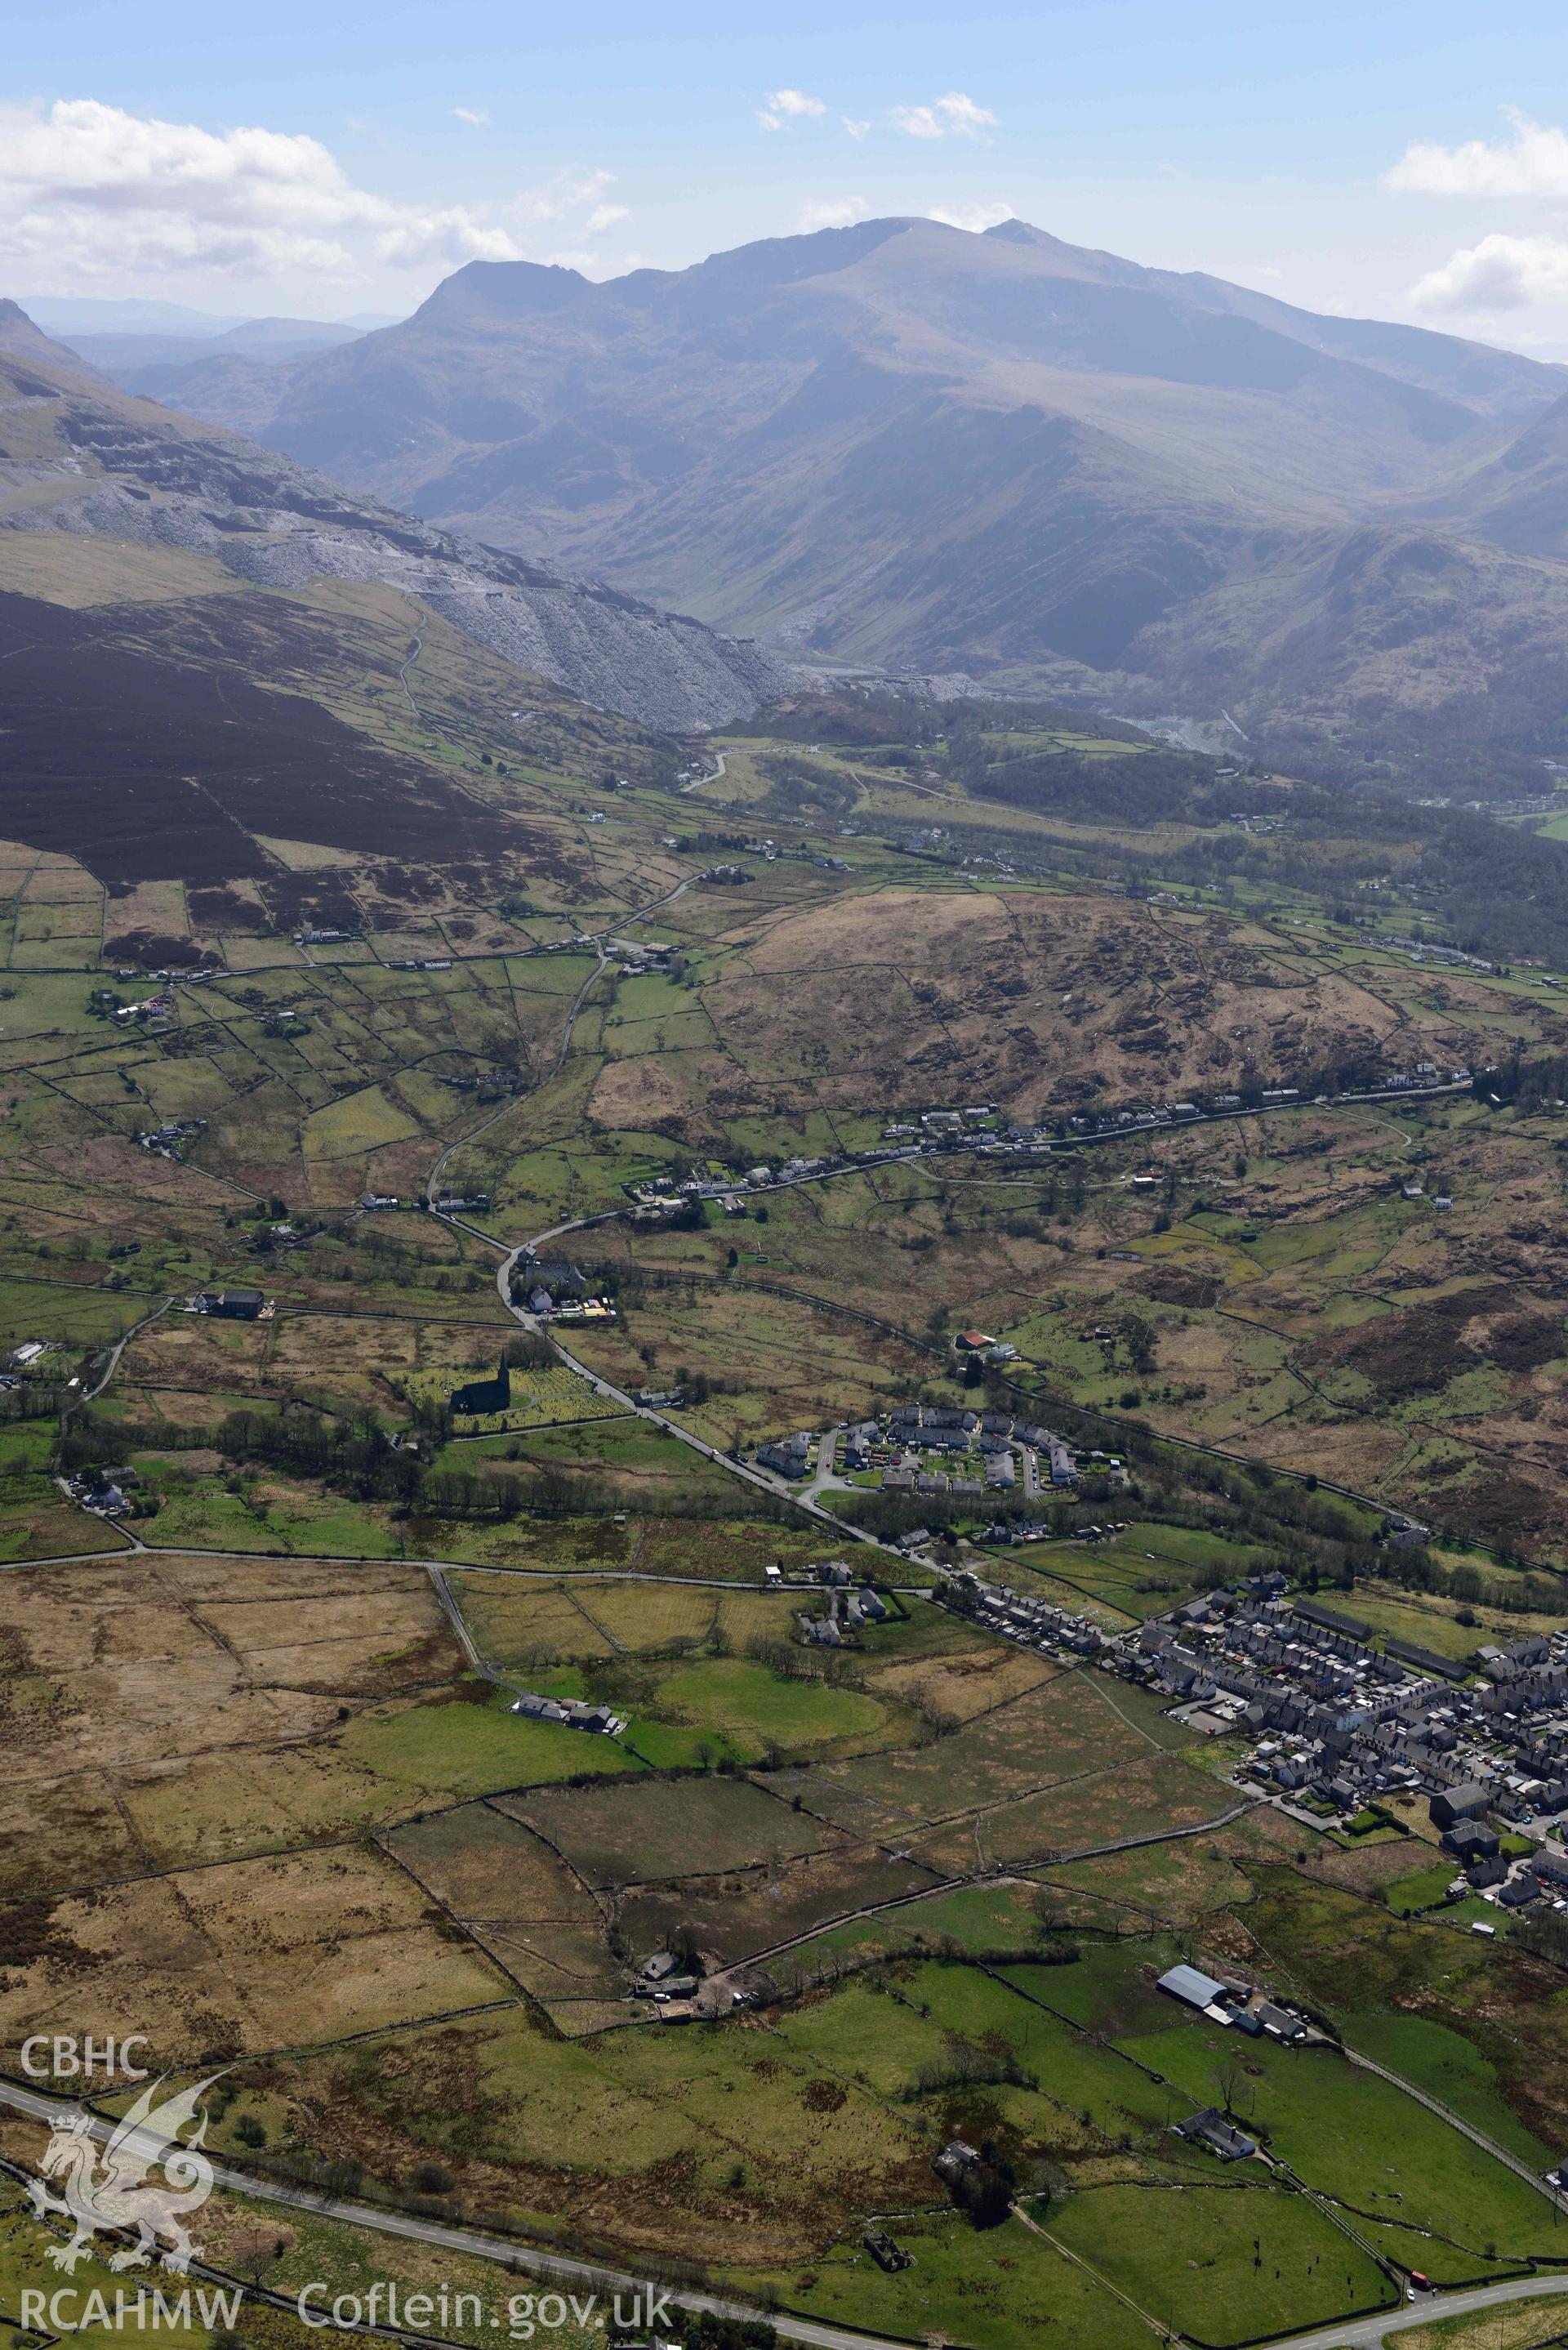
(1392, 163)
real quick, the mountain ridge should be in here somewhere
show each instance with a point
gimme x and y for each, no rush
(898, 445)
(121, 468)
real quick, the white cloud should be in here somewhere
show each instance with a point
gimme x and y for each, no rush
(478, 115)
(1534, 162)
(556, 198)
(955, 112)
(1501, 273)
(973, 217)
(832, 211)
(856, 129)
(444, 240)
(605, 216)
(96, 192)
(788, 106)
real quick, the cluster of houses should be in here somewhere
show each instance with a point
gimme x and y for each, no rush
(101, 1490)
(555, 1290)
(1426, 950)
(446, 1203)
(847, 1611)
(1426, 1077)
(1038, 1624)
(171, 1140)
(1336, 1725)
(1003, 1448)
(574, 1712)
(980, 1129)
(938, 1451)
(152, 1009)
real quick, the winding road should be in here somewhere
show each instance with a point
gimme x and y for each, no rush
(716, 777)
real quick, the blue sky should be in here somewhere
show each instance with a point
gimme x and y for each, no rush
(1400, 160)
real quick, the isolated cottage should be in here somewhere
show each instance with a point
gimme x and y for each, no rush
(1210, 2128)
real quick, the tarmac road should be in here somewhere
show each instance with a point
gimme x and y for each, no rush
(470, 2240)
(1365, 2332)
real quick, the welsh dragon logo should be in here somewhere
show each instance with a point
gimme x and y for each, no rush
(122, 2192)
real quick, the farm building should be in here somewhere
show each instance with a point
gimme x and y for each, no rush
(1191, 1984)
(574, 1712)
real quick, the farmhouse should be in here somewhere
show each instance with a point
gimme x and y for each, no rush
(1209, 2128)
(1280, 2024)
(574, 1712)
(231, 1305)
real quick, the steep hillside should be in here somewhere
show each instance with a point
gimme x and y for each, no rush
(1519, 497)
(82, 459)
(245, 702)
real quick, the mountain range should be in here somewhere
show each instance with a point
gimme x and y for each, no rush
(901, 445)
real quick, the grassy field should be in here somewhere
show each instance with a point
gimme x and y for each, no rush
(1365, 2144)
(1229, 2264)
(462, 1749)
(958, 2288)
(256, 1798)
(663, 1828)
(1526, 2326)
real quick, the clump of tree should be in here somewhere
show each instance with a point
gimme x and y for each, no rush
(982, 2190)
